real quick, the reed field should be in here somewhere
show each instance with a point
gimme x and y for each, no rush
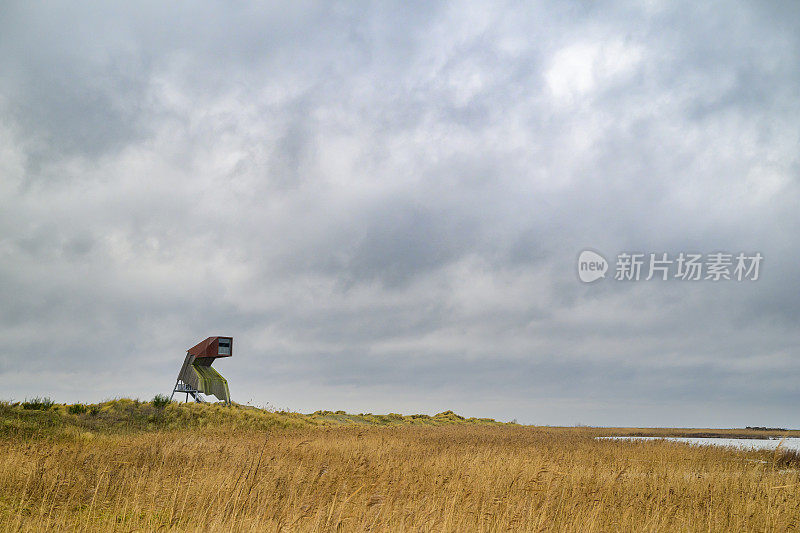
(129, 466)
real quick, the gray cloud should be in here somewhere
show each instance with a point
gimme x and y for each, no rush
(384, 205)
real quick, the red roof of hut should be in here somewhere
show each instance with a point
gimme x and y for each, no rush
(213, 347)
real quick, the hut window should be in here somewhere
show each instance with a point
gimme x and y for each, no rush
(224, 347)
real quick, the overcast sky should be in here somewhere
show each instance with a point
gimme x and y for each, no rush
(383, 204)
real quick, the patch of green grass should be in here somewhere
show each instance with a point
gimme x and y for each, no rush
(38, 404)
(77, 409)
(160, 401)
(449, 415)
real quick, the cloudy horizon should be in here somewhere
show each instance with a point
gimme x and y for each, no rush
(383, 205)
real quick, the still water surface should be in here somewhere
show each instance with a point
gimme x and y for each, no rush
(789, 443)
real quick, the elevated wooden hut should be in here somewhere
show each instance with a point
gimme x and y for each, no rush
(196, 375)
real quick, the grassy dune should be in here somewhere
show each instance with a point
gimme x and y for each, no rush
(42, 420)
(127, 466)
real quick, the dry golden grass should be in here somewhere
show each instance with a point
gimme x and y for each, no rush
(396, 478)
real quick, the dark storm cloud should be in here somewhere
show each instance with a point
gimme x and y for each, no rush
(384, 205)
